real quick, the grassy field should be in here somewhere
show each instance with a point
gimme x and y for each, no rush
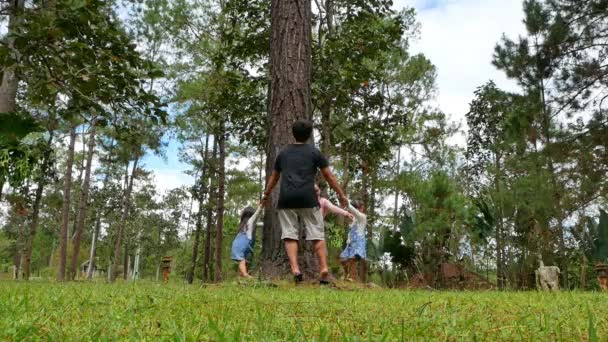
(253, 312)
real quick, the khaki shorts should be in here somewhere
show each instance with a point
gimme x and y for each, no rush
(312, 220)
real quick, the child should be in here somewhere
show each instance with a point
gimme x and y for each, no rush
(355, 245)
(327, 207)
(242, 246)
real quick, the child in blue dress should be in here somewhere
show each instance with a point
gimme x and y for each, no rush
(355, 245)
(242, 246)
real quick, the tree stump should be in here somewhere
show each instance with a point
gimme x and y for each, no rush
(166, 266)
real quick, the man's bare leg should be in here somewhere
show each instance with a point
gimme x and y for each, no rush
(321, 251)
(291, 246)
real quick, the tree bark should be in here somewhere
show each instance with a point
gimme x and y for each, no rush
(126, 262)
(326, 105)
(500, 272)
(10, 79)
(209, 224)
(260, 177)
(91, 268)
(83, 202)
(159, 252)
(65, 211)
(26, 255)
(290, 100)
(583, 277)
(123, 218)
(196, 245)
(135, 273)
(16, 265)
(365, 197)
(92, 256)
(76, 180)
(396, 205)
(220, 203)
(81, 172)
(203, 187)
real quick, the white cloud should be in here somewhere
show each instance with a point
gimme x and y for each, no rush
(459, 36)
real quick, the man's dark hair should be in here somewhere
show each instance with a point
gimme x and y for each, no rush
(302, 130)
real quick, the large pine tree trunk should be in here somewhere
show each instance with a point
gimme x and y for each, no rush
(121, 225)
(10, 81)
(65, 211)
(210, 205)
(202, 194)
(290, 99)
(220, 204)
(83, 203)
(26, 255)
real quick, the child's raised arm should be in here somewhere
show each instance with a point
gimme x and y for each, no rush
(337, 210)
(359, 215)
(252, 221)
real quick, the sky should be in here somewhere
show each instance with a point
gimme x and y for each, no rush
(458, 36)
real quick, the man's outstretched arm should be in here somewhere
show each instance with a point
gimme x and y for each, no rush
(272, 182)
(330, 178)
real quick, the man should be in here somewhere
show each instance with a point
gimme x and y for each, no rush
(296, 166)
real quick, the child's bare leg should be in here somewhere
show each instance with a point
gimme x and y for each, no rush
(243, 269)
(291, 246)
(345, 267)
(353, 269)
(321, 251)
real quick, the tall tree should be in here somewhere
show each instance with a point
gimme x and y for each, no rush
(42, 179)
(83, 201)
(535, 62)
(289, 100)
(486, 149)
(213, 194)
(10, 79)
(221, 190)
(124, 213)
(201, 189)
(65, 210)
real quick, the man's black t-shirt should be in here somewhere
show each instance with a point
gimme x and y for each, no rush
(298, 165)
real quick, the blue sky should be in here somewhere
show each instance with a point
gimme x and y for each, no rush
(458, 36)
(429, 4)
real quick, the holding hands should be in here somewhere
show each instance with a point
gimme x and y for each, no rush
(343, 200)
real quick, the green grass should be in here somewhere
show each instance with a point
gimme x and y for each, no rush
(149, 311)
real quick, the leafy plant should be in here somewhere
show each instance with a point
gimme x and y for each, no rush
(597, 236)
